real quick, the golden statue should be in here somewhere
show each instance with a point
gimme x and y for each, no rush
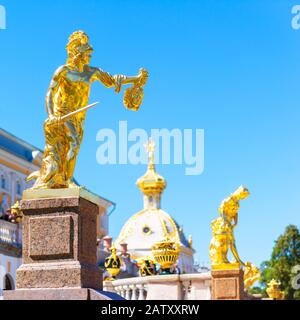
(251, 275)
(66, 104)
(223, 227)
(273, 290)
(223, 238)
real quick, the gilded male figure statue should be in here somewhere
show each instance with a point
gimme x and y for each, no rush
(223, 230)
(69, 91)
(223, 239)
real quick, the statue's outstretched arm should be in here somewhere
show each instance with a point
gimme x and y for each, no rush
(118, 80)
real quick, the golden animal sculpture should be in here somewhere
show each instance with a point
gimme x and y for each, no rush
(66, 98)
(223, 238)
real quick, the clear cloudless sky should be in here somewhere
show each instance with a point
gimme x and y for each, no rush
(228, 67)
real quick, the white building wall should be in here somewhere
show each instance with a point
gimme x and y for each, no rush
(8, 266)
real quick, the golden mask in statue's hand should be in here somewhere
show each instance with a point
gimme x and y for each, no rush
(143, 77)
(133, 97)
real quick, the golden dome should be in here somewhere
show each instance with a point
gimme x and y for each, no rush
(151, 182)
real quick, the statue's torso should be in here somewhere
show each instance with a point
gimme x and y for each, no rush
(221, 226)
(73, 91)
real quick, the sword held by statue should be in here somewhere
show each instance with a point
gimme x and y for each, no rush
(73, 113)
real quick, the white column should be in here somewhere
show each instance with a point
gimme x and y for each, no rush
(127, 293)
(134, 295)
(186, 285)
(12, 188)
(122, 292)
(141, 291)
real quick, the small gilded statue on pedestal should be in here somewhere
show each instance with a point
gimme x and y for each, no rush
(223, 239)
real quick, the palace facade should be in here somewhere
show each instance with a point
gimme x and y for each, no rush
(17, 160)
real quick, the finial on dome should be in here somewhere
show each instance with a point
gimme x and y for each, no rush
(151, 182)
(150, 148)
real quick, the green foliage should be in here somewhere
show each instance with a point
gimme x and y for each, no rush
(285, 256)
(257, 290)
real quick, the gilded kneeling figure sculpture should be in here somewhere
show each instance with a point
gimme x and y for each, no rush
(223, 239)
(66, 99)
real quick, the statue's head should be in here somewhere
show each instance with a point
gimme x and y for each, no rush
(241, 193)
(230, 205)
(79, 50)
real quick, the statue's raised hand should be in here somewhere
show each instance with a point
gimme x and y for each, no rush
(143, 77)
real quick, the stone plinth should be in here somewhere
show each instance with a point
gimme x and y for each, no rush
(197, 286)
(59, 249)
(60, 294)
(166, 287)
(227, 284)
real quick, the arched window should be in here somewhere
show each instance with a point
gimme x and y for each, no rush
(8, 282)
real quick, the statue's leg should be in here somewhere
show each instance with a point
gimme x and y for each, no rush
(218, 250)
(224, 249)
(50, 175)
(234, 251)
(74, 145)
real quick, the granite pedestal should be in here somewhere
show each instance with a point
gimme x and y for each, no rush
(227, 284)
(59, 249)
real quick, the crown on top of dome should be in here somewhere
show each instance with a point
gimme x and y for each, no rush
(151, 182)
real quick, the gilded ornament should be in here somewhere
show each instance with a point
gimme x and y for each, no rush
(16, 214)
(146, 266)
(274, 291)
(166, 254)
(113, 264)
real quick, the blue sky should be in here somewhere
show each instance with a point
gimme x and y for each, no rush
(228, 67)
